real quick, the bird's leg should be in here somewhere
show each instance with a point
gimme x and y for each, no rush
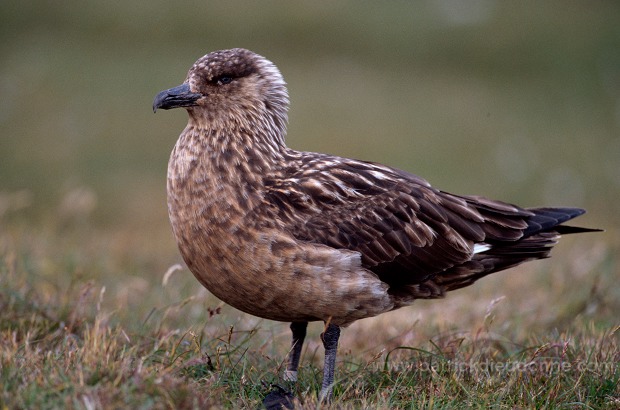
(279, 397)
(330, 341)
(299, 334)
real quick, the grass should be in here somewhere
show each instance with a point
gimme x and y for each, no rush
(71, 337)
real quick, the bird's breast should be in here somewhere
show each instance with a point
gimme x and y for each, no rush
(245, 256)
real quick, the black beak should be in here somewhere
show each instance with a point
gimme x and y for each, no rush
(175, 97)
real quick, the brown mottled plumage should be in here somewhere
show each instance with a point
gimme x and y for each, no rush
(300, 236)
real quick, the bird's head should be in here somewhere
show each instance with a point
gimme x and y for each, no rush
(230, 88)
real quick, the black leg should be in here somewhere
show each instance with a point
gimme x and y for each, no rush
(280, 398)
(330, 342)
(299, 334)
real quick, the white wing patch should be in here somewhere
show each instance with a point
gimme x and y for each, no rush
(481, 247)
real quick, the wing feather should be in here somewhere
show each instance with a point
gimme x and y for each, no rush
(406, 231)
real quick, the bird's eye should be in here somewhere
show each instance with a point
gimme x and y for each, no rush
(225, 79)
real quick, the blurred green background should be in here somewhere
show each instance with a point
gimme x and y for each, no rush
(514, 100)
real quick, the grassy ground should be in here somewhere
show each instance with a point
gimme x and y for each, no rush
(512, 100)
(90, 319)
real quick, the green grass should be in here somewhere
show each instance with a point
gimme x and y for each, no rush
(70, 337)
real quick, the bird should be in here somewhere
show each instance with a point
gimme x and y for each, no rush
(299, 237)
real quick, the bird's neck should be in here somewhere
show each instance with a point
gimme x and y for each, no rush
(236, 155)
(219, 174)
(255, 137)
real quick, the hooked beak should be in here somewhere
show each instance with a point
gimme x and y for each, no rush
(180, 96)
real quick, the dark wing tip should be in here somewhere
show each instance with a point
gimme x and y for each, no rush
(545, 219)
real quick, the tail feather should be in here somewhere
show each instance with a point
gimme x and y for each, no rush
(567, 229)
(541, 234)
(498, 258)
